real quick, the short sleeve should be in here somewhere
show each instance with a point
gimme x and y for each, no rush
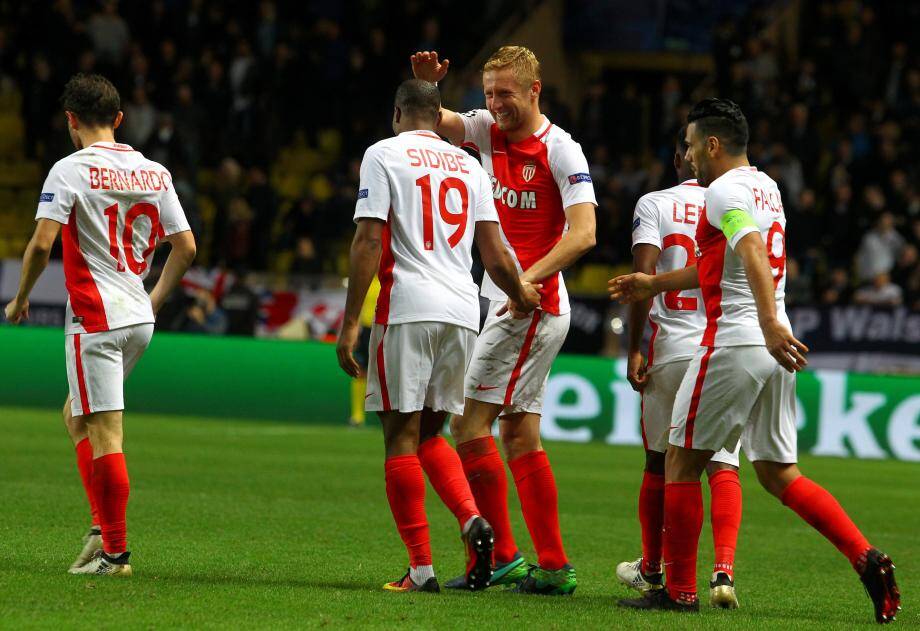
(570, 170)
(485, 203)
(724, 197)
(646, 223)
(476, 129)
(172, 217)
(374, 188)
(58, 195)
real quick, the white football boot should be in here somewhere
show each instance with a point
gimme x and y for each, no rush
(92, 541)
(103, 565)
(630, 574)
(722, 591)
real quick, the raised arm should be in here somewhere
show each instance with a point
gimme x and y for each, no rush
(425, 66)
(34, 262)
(787, 350)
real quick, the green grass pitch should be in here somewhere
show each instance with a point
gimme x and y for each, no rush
(244, 524)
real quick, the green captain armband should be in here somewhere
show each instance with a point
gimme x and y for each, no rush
(735, 220)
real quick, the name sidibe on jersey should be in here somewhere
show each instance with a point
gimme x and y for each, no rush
(121, 180)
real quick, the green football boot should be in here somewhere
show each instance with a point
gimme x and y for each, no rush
(507, 575)
(561, 582)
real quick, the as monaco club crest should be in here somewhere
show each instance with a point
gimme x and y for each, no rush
(529, 170)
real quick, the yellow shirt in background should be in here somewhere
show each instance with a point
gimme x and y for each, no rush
(370, 304)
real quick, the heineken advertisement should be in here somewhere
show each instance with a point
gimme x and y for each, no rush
(838, 414)
(587, 398)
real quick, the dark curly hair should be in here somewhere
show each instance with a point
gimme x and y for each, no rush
(419, 99)
(723, 119)
(92, 99)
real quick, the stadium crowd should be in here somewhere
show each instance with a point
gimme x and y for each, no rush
(263, 110)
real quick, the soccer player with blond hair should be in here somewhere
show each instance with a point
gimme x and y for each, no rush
(545, 200)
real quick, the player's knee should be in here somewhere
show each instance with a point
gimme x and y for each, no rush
(713, 467)
(774, 477)
(456, 428)
(654, 462)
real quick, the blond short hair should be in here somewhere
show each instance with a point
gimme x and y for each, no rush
(521, 60)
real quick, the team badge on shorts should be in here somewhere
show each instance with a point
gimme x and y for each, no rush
(529, 170)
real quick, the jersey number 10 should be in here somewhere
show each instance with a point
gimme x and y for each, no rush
(452, 219)
(127, 236)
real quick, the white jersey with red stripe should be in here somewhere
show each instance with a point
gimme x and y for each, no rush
(533, 182)
(430, 194)
(115, 205)
(668, 220)
(731, 312)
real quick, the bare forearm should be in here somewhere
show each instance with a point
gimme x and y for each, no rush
(685, 278)
(757, 270)
(363, 261)
(571, 247)
(33, 264)
(503, 273)
(638, 314)
(177, 263)
(451, 125)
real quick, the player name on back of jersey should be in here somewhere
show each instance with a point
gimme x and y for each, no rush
(103, 178)
(433, 159)
(767, 200)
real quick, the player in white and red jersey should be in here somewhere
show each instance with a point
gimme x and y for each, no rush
(546, 204)
(421, 205)
(740, 385)
(115, 206)
(663, 235)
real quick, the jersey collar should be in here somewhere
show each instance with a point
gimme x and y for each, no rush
(117, 146)
(690, 182)
(422, 132)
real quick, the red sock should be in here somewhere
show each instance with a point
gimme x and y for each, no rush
(406, 493)
(485, 472)
(683, 522)
(442, 466)
(651, 517)
(819, 508)
(111, 488)
(539, 502)
(85, 467)
(725, 512)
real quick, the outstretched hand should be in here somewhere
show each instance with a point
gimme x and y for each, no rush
(630, 288)
(425, 66)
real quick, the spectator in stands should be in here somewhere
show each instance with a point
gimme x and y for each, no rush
(140, 119)
(837, 291)
(879, 249)
(204, 315)
(881, 292)
(109, 33)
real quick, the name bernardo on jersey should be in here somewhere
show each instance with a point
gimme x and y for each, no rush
(120, 180)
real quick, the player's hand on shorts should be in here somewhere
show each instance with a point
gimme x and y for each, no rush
(635, 371)
(425, 66)
(345, 349)
(788, 351)
(17, 311)
(523, 309)
(630, 288)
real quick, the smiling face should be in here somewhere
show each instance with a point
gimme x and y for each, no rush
(511, 104)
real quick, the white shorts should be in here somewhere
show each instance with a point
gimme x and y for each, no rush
(99, 363)
(417, 365)
(512, 358)
(733, 393)
(657, 407)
